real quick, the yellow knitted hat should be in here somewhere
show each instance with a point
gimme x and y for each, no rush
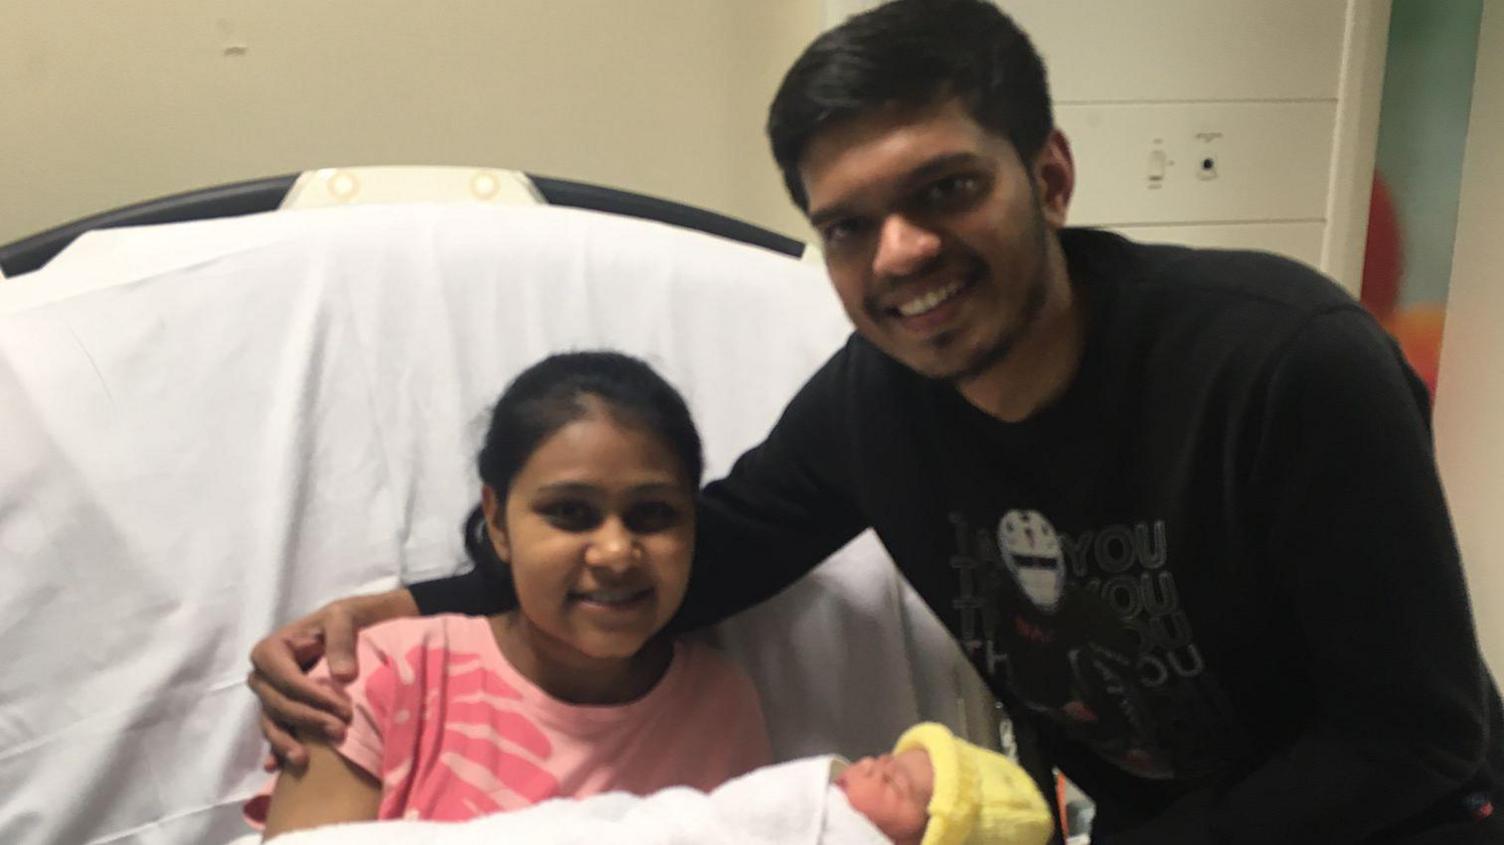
(981, 797)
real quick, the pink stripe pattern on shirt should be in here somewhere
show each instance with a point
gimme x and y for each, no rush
(451, 730)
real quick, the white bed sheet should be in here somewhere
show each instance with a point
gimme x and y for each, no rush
(212, 427)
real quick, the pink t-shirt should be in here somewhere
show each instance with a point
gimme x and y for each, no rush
(453, 731)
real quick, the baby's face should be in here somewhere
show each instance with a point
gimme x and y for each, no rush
(893, 791)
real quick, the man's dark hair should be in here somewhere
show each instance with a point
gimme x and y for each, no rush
(912, 53)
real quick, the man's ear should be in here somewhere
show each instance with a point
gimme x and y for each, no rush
(1054, 174)
(494, 509)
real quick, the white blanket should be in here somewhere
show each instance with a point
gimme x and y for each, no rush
(790, 804)
(211, 428)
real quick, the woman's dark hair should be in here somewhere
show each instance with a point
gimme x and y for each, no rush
(913, 53)
(557, 391)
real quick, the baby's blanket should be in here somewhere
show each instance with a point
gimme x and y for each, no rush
(789, 804)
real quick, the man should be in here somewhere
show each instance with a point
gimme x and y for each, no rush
(1179, 506)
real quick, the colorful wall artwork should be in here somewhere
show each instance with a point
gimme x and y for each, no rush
(1428, 84)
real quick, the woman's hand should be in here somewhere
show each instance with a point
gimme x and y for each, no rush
(290, 701)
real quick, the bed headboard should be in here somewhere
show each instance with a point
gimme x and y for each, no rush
(404, 183)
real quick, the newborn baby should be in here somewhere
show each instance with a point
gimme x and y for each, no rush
(933, 789)
(893, 792)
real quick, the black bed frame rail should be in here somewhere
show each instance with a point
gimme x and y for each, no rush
(258, 195)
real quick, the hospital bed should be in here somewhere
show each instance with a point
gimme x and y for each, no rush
(271, 395)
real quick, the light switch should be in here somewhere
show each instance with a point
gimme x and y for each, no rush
(1156, 165)
(1270, 161)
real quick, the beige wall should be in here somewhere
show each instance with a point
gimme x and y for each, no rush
(1470, 390)
(108, 103)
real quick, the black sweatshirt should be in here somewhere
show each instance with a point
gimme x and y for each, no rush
(1217, 577)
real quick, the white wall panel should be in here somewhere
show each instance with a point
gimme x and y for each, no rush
(1354, 141)
(1148, 163)
(1141, 50)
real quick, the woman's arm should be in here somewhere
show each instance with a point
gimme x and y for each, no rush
(329, 789)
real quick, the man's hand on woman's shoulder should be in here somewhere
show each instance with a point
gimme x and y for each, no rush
(291, 702)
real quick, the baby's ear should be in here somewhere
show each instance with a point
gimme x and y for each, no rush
(921, 771)
(494, 509)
